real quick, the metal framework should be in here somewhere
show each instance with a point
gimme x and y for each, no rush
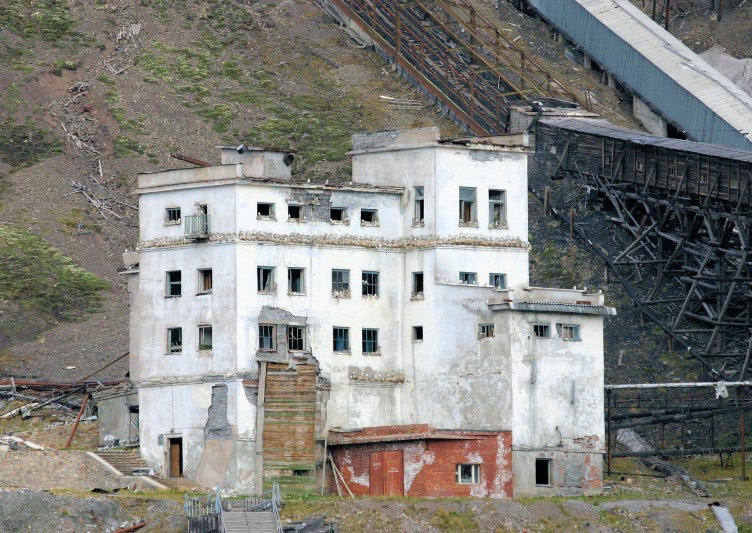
(458, 56)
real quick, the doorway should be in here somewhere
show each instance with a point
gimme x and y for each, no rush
(176, 457)
(386, 473)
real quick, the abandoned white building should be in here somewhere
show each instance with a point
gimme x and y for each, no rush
(387, 321)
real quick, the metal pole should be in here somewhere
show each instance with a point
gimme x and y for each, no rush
(78, 419)
(608, 436)
(741, 433)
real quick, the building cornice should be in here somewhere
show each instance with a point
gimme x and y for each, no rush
(298, 239)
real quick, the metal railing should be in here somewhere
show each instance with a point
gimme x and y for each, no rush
(204, 513)
(197, 226)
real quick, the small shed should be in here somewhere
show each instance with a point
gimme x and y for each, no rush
(117, 411)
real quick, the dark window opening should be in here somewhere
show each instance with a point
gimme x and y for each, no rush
(295, 280)
(497, 281)
(172, 215)
(173, 283)
(417, 291)
(370, 284)
(370, 341)
(369, 216)
(204, 338)
(468, 474)
(338, 214)
(341, 339)
(418, 213)
(485, 331)
(264, 210)
(497, 209)
(204, 280)
(267, 337)
(543, 472)
(174, 340)
(295, 338)
(265, 279)
(340, 283)
(417, 333)
(542, 331)
(467, 205)
(294, 212)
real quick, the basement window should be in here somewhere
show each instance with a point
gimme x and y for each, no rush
(370, 338)
(204, 280)
(497, 281)
(468, 474)
(417, 291)
(542, 331)
(485, 331)
(295, 213)
(417, 333)
(543, 472)
(296, 280)
(497, 208)
(703, 177)
(639, 166)
(265, 279)
(295, 338)
(419, 209)
(369, 217)
(173, 285)
(174, 340)
(370, 284)
(340, 283)
(172, 216)
(468, 214)
(338, 215)
(672, 171)
(264, 211)
(568, 332)
(341, 339)
(469, 278)
(204, 338)
(267, 337)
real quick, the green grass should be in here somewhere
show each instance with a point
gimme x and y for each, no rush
(40, 278)
(23, 145)
(454, 521)
(48, 19)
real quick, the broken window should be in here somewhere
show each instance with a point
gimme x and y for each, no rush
(417, 291)
(370, 283)
(267, 337)
(497, 281)
(204, 338)
(419, 213)
(639, 165)
(265, 279)
(467, 205)
(497, 208)
(340, 283)
(468, 474)
(204, 280)
(542, 331)
(294, 212)
(568, 332)
(485, 331)
(295, 338)
(370, 341)
(338, 214)
(172, 215)
(174, 340)
(264, 210)
(341, 339)
(543, 472)
(369, 217)
(173, 283)
(417, 333)
(469, 278)
(295, 280)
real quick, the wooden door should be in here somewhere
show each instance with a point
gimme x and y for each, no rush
(176, 457)
(386, 473)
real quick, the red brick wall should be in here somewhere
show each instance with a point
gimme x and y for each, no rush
(430, 465)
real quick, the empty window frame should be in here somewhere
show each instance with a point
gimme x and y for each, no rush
(370, 283)
(467, 205)
(497, 280)
(543, 472)
(174, 340)
(265, 279)
(264, 210)
(568, 332)
(295, 212)
(338, 215)
(341, 339)
(267, 337)
(469, 278)
(370, 338)
(417, 333)
(468, 474)
(204, 338)
(485, 331)
(205, 280)
(417, 290)
(369, 217)
(340, 283)
(172, 215)
(173, 284)
(296, 338)
(542, 331)
(497, 208)
(419, 209)
(296, 280)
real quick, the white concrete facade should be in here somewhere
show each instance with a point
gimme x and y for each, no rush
(272, 247)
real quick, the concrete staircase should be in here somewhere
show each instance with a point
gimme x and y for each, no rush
(247, 522)
(126, 461)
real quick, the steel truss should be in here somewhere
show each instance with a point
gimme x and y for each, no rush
(458, 56)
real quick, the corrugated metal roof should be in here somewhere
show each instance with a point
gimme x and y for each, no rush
(550, 307)
(606, 129)
(655, 65)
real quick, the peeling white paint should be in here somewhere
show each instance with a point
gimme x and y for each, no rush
(201, 395)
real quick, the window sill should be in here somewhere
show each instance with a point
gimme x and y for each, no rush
(171, 296)
(372, 354)
(266, 350)
(499, 226)
(341, 295)
(417, 296)
(572, 340)
(273, 219)
(417, 340)
(339, 222)
(297, 220)
(371, 296)
(348, 352)
(174, 353)
(417, 224)
(202, 293)
(468, 224)
(369, 224)
(296, 293)
(172, 223)
(274, 292)
(206, 351)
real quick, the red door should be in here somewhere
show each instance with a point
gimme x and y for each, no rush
(386, 473)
